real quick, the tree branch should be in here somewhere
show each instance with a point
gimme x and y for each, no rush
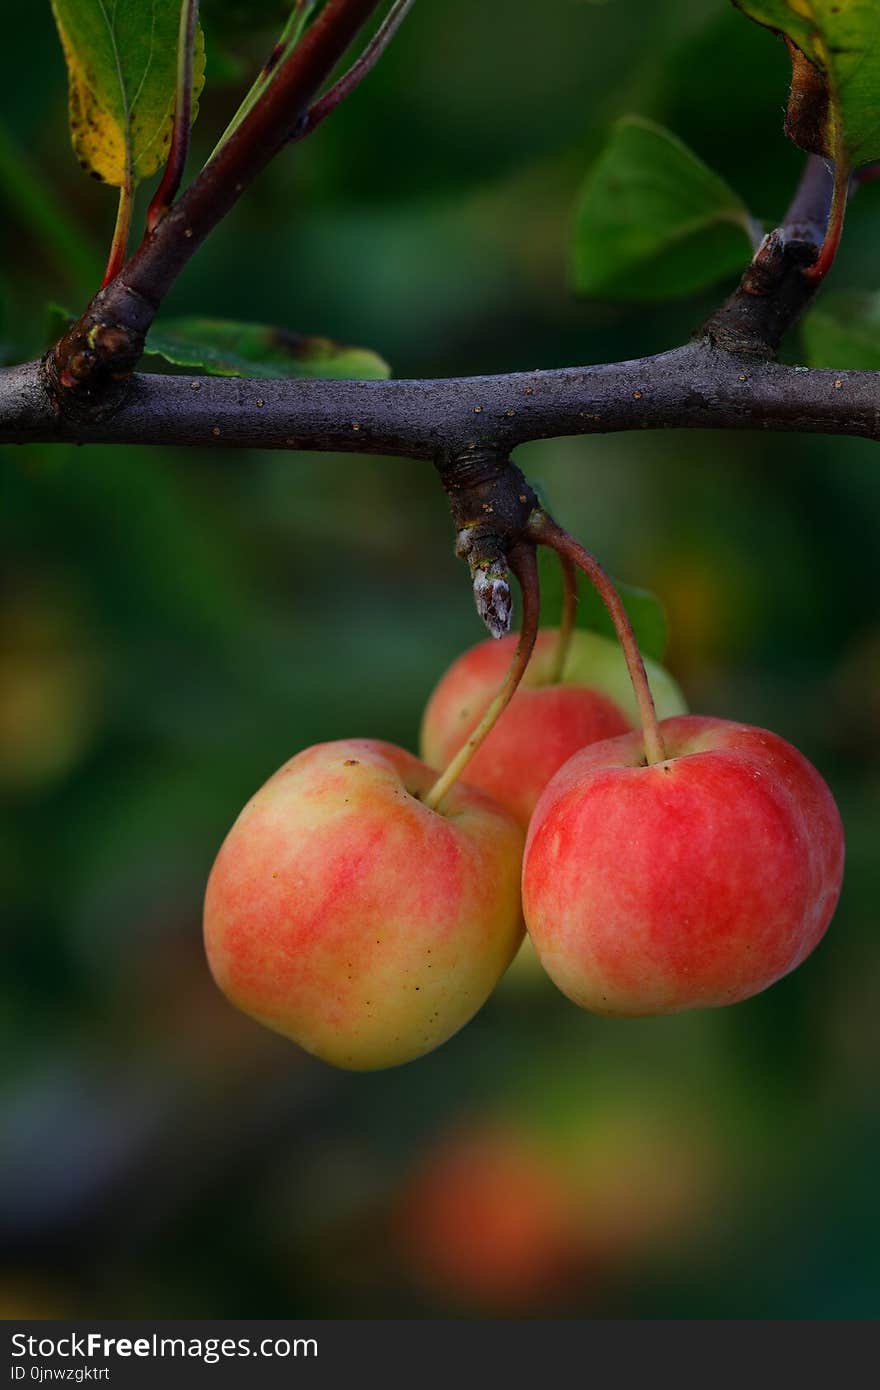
(724, 379)
(807, 216)
(108, 340)
(693, 387)
(777, 287)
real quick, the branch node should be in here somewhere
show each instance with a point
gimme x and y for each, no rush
(99, 352)
(491, 505)
(771, 295)
(130, 301)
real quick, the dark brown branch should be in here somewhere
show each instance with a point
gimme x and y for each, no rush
(107, 342)
(770, 297)
(692, 387)
(726, 379)
(774, 290)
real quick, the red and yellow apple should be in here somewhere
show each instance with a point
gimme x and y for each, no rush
(688, 883)
(345, 914)
(546, 722)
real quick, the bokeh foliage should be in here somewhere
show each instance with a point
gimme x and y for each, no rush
(175, 624)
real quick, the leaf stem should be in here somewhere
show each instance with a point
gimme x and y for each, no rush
(546, 531)
(173, 175)
(567, 620)
(834, 230)
(121, 231)
(524, 565)
(161, 256)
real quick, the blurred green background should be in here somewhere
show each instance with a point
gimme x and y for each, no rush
(172, 631)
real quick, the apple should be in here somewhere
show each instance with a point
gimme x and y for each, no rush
(688, 883)
(546, 721)
(346, 915)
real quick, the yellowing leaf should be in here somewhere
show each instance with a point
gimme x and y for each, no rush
(122, 68)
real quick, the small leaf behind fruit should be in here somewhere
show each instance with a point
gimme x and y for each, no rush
(646, 612)
(654, 221)
(122, 72)
(841, 39)
(224, 348)
(844, 331)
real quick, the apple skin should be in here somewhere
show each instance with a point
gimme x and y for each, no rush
(545, 722)
(688, 884)
(346, 915)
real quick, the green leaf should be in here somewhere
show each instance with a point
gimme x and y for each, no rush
(122, 71)
(838, 115)
(653, 221)
(646, 612)
(844, 331)
(222, 348)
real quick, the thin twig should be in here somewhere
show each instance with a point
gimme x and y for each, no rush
(834, 229)
(173, 175)
(129, 302)
(360, 69)
(806, 217)
(290, 36)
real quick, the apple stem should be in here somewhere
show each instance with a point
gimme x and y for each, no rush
(524, 565)
(567, 620)
(546, 531)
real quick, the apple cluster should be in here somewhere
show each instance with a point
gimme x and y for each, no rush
(348, 913)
